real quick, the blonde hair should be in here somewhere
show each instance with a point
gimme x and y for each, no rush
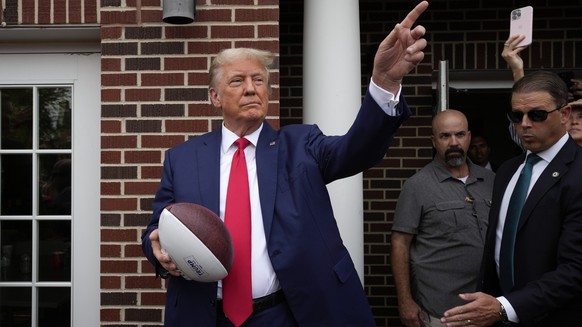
(228, 56)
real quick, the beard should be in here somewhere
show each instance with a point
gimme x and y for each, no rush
(455, 157)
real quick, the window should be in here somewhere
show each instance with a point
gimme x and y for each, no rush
(35, 204)
(49, 189)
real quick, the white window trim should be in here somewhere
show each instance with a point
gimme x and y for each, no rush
(82, 70)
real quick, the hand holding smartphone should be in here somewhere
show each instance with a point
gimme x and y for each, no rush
(521, 22)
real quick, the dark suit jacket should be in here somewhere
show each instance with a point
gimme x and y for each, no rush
(548, 249)
(294, 165)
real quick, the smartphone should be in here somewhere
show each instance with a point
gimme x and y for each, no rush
(521, 22)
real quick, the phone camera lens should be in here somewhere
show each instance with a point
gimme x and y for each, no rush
(516, 14)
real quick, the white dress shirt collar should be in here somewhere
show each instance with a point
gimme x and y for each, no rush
(229, 137)
(549, 154)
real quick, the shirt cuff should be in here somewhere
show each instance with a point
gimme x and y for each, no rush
(386, 100)
(511, 314)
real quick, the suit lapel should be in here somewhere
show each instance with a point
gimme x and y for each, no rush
(267, 167)
(502, 178)
(549, 177)
(208, 164)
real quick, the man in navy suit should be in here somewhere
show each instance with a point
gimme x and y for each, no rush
(302, 274)
(547, 258)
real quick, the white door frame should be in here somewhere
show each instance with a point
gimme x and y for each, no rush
(27, 64)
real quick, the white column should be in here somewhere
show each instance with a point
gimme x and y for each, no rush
(331, 99)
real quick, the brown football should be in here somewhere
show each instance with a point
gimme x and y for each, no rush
(197, 240)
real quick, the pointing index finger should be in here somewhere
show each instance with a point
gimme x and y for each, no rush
(412, 16)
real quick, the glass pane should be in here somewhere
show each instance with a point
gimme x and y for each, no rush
(54, 118)
(16, 107)
(16, 184)
(54, 184)
(16, 250)
(54, 262)
(15, 309)
(54, 307)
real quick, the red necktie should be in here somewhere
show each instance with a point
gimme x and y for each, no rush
(236, 287)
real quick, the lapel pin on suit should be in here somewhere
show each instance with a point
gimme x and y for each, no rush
(272, 143)
(555, 174)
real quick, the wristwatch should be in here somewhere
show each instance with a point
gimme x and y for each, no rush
(503, 315)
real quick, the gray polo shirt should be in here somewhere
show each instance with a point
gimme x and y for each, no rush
(449, 220)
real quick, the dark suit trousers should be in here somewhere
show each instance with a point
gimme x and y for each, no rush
(279, 315)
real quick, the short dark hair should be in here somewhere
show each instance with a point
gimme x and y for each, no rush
(476, 135)
(576, 105)
(543, 81)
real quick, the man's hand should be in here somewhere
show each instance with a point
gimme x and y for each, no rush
(411, 314)
(400, 51)
(164, 259)
(482, 310)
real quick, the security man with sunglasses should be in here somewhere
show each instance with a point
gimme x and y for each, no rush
(532, 264)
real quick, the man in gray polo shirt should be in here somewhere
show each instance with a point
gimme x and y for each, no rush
(440, 225)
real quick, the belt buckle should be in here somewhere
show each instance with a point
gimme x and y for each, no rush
(262, 303)
(267, 301)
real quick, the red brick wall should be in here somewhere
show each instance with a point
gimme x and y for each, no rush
(154, 95)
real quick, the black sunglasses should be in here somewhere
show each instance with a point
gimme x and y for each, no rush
(537, 115)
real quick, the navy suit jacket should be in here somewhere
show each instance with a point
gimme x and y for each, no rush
(548, 249)
(294, 165)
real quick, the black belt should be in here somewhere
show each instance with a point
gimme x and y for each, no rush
(262, 303)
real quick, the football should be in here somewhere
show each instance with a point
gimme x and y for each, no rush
(197, 241)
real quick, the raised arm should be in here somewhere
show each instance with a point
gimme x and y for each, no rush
(511, 55)
(400, 51)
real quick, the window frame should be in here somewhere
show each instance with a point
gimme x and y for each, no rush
(49, 66)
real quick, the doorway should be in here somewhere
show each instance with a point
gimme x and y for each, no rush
(49, 208)
(486, 112)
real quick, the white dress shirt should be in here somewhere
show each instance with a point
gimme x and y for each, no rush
(264, 279)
